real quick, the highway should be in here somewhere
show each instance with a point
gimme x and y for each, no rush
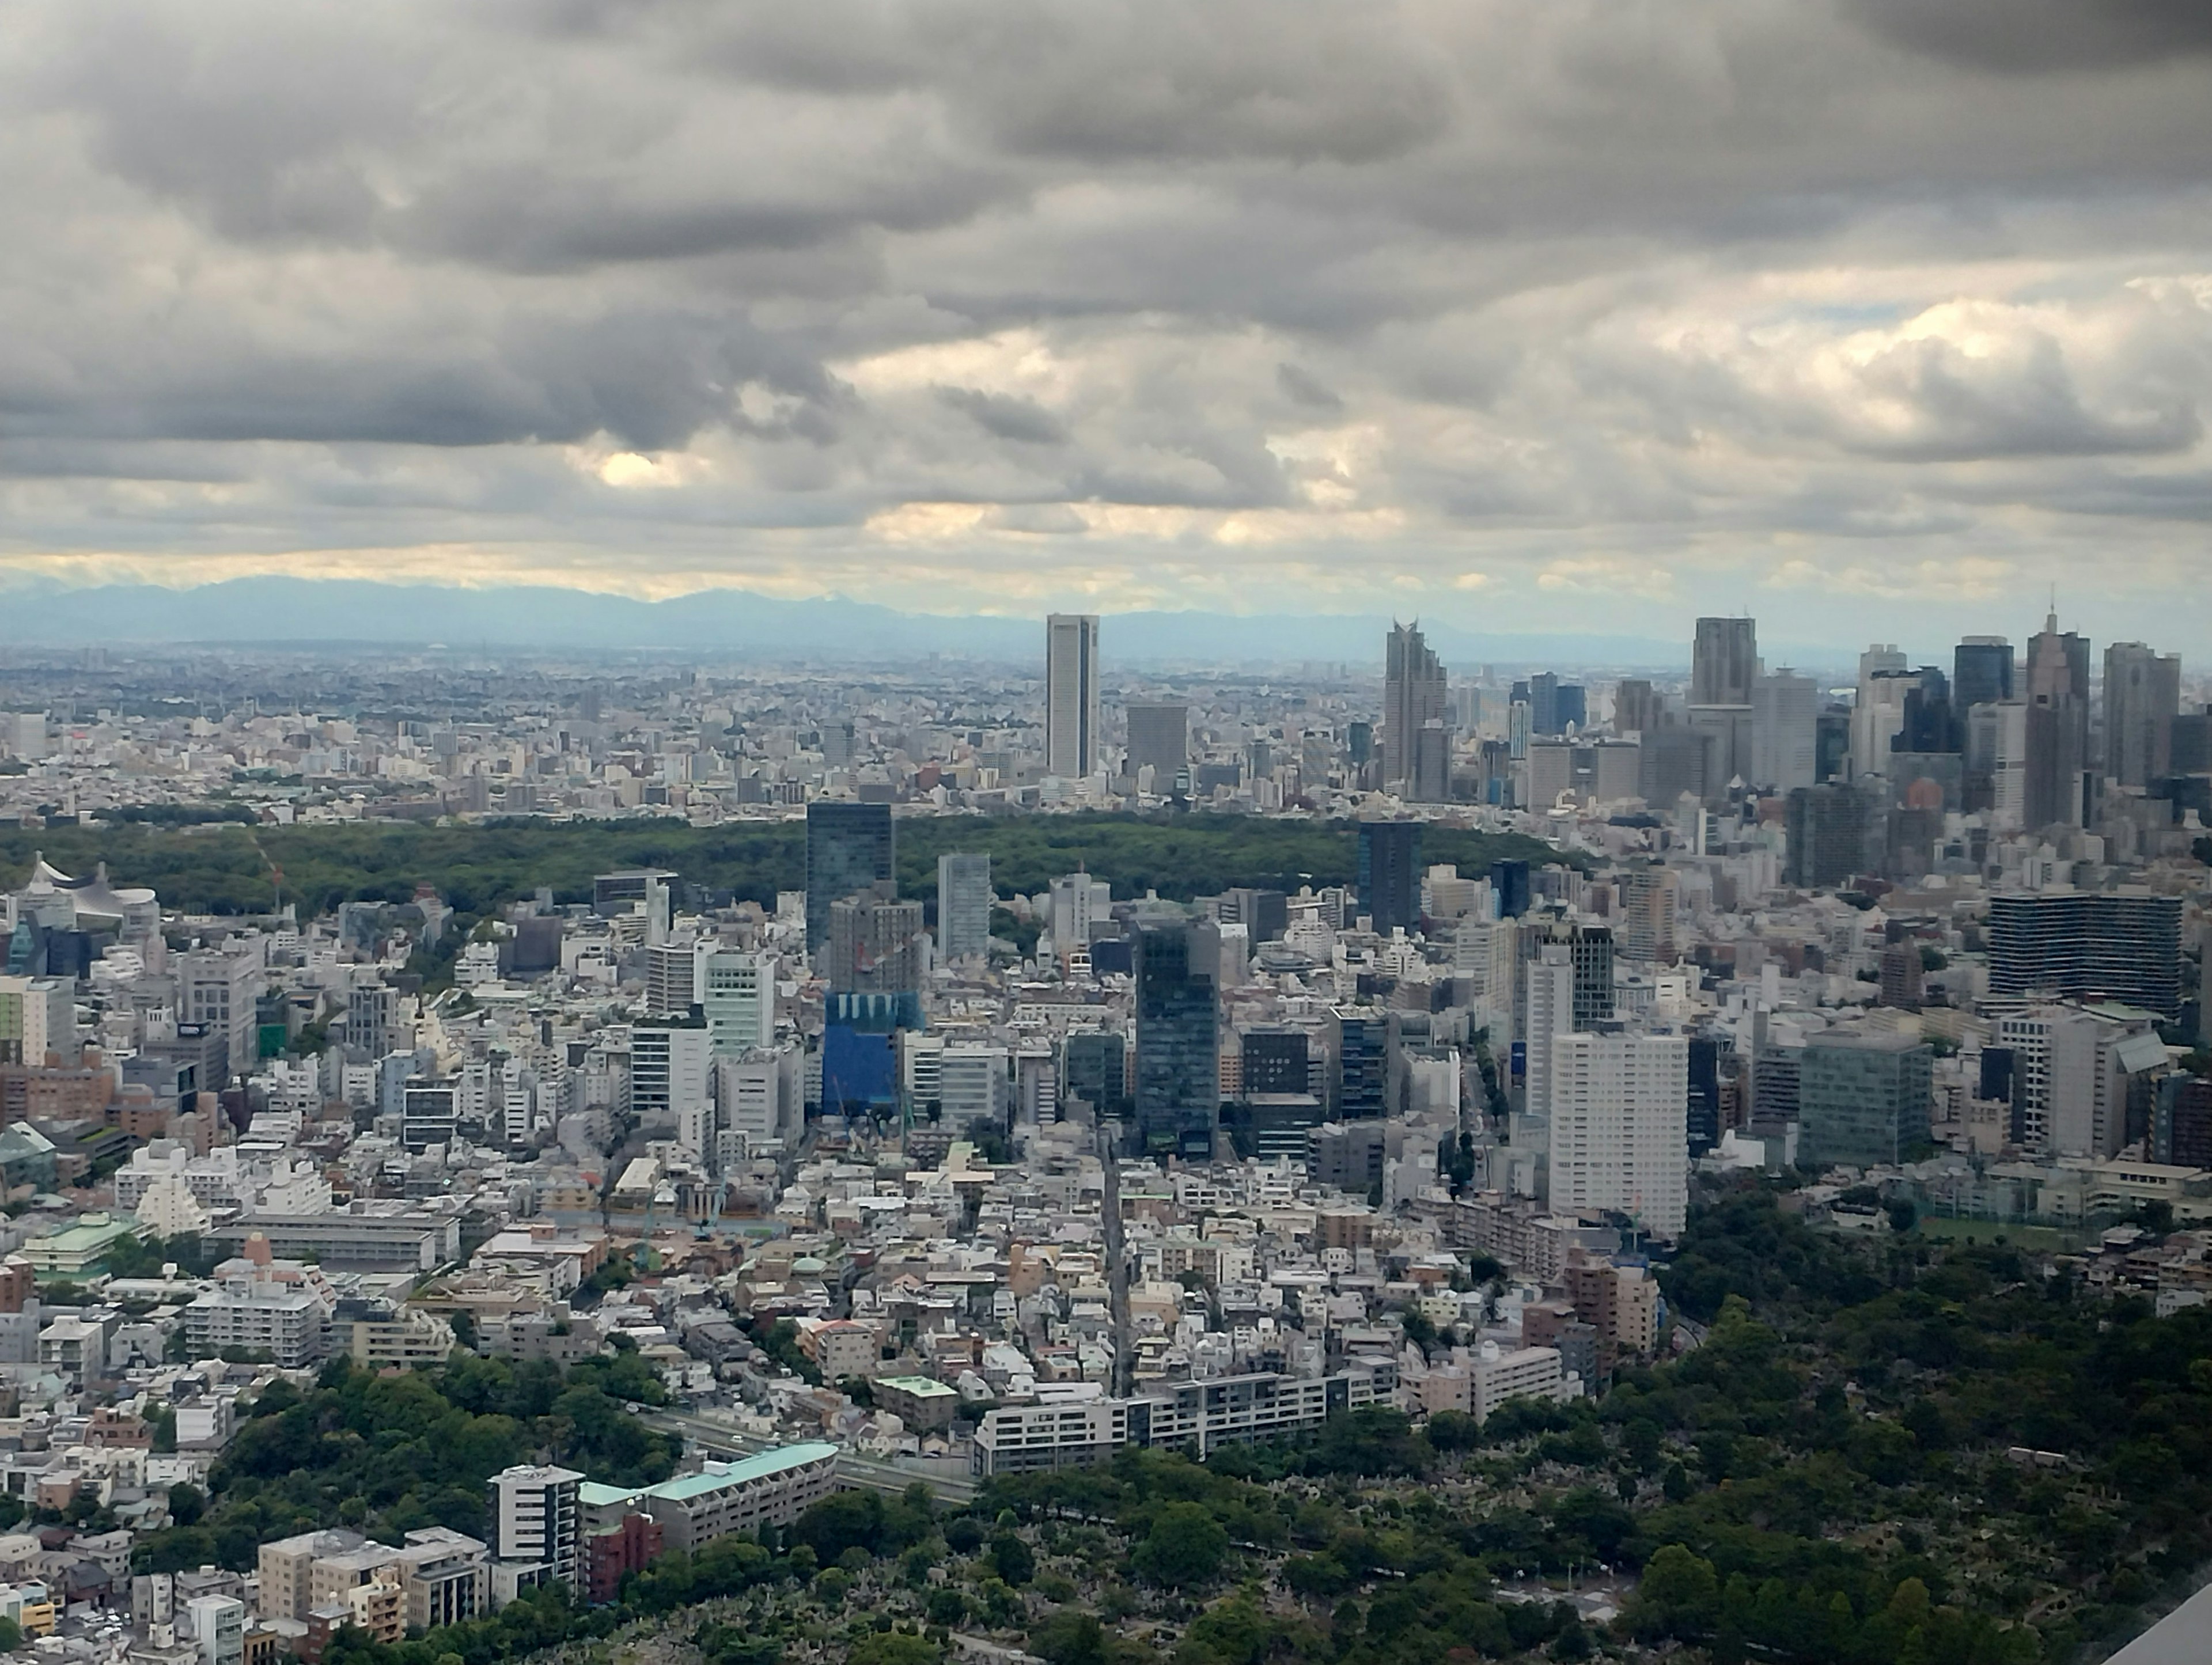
(718, 1438)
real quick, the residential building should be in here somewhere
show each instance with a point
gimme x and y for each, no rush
(1620, 1128)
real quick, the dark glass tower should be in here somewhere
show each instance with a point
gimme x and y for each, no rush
(849, 848)
(1390, 873)
(1178, 1067)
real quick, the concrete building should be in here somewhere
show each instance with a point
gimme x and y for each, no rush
(770, 1488)
(1863, 1098)
(1619, 1127)
(533, 1514)
(1070, 696)
(964, 901)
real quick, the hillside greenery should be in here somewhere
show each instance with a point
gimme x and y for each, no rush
(221, 867)
(387, 1454)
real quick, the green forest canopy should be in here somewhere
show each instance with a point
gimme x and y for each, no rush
(225, 868)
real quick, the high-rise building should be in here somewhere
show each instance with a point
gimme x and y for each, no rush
(1724, 681)
(1094, 1068)
(737, 995)
(849, 848)
(875, 944)
(1724, 662)
(533, 1515)
(1178, 1098)
(1981, 671)
(1550, 986)
(1362, 1037)
(2122, 945)
(1159, 739)
(1275, 1062)
(1416, 735)
(2058, 726)
(671, 1072)
(1637, 709)
(38, 1019)
(1784, 729)
(1862, 1097)
(964, 898)
(1619, 1127)
(1390, 874)
(1832, 830)
(1590, 950)
(1071, 695)
(1509, 881)
(671, 977)
(219, 987)
(2083, 1080)
(1647, 914)
(2142, 696)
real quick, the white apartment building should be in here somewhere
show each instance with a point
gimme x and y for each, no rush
(535, 1521)
(285, 1322)
(972, 1085)
(1620, 1132)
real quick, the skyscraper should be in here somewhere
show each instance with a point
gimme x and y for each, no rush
(2058, 725)
(1159, 739)
(1723, 680)
(2142, 696)
(1178, 1105)
(849, 847)
(874, 944)
(2088, 945)
(1724, 662)
(1785, 714)
(1981, 672)
(1390, 873)
(1416, 735)
(964, 905)
(1071, 695)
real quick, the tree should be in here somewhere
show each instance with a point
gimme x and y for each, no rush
(1012, 1560)
(893, 1648)
(11, 1636)
(1679, 1596)
(186, 1505)
(1185, 1547)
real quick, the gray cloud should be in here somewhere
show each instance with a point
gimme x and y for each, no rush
(2044, 36)
(1193, 304)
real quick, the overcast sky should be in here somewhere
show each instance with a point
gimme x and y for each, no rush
(1873, 318)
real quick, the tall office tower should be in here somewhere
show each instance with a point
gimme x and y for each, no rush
(1071, 695)
(1416, 738)
(1508, 881)
(1647, 914)
(1996, 776)
(738, 994)
(2058, 725)
(849, 848)
(1785, 710)
(1549, 982)
(1361, 1036)
(875, 944)
(964, 896)
(1620, 1132)
(1705, 1097)
(1178, 1107)
(1878, 718)
(2142, 697)
(1981, 671)
(2088, 945)
(1724, 662)
(1390, 874)
(1833, 830)
(1636, 707)
(1862, 1097)
(1589, 949)
(1544, 714)
(1723, 680)
(1159, 739)
(672, 1069)
(534, 1520)
(1929, 723)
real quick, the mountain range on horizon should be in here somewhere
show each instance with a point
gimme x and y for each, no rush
(278, 611)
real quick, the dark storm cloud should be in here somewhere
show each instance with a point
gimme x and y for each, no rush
(1302, 387)
(2044, 36)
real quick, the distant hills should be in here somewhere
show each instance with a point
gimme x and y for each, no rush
(278, 611)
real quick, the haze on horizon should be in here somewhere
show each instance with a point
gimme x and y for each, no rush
(1860, 316)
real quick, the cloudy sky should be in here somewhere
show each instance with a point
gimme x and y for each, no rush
(1871, 317)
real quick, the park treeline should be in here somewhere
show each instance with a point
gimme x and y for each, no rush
(221, 867)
